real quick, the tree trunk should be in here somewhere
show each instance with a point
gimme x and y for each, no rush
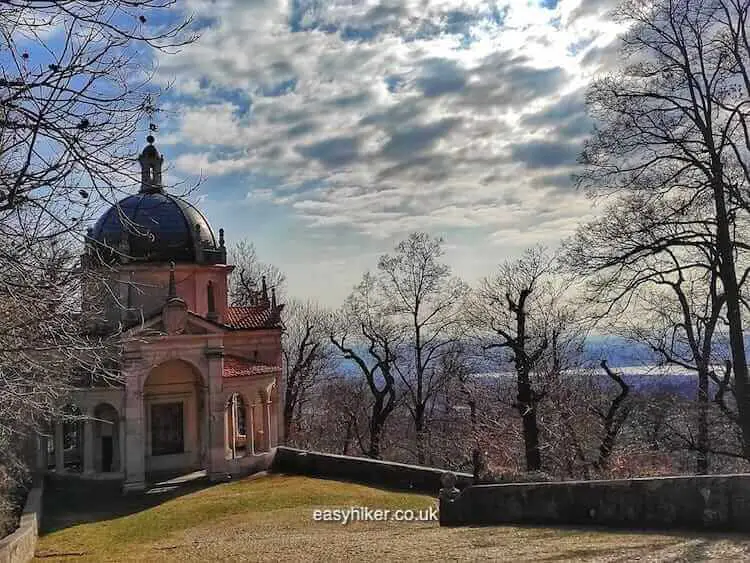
(376, 431)
(703, 399)
(419, 428)
(527, 409)
(477, 460)
(289, 404)
(734, 316)
(347, 438)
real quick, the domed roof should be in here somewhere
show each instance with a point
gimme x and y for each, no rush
(154, 226)
(157, 227)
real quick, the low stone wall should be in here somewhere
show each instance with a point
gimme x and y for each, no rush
(720, 502)
(20, 545)
(250, 465)
(362, 470)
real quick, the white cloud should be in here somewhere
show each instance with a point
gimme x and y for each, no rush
(383, 118)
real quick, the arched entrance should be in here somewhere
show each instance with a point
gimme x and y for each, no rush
(106, 439)
(176, 420)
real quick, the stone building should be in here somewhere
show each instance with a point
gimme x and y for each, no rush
(198, 385)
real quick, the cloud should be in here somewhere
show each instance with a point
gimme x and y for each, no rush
(333, 152)
(414, 139)
(378, 119)
(545, 154)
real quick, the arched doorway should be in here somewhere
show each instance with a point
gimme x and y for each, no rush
(106, 439)
(176, 421)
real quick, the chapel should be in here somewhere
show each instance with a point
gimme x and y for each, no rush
(197, 386)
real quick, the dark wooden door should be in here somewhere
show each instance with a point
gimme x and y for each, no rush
(107, 452)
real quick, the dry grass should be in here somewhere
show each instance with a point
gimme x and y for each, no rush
(270, 519)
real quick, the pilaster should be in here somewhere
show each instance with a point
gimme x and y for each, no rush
(88, 447)
(217, 465)
(135, 431)
(59, 448)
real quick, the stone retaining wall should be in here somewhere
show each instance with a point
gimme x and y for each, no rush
(20, 545)
(720, 502)
(361, 470)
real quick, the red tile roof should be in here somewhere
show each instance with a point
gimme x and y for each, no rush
(240, 367)
(252, 317)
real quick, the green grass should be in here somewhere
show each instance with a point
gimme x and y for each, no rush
(270, 519)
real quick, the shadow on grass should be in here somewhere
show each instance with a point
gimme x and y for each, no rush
(702, 537)
(70, 502)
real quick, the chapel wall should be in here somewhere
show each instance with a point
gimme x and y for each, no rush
(263, 346)
(150, 289)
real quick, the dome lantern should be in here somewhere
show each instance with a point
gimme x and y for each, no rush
(151, 162)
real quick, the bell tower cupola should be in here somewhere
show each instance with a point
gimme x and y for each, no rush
(151, 162)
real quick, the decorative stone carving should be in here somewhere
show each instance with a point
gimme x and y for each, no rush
(174, 316)
(449, 492)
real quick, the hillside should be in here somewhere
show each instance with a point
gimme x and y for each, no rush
(270, 519)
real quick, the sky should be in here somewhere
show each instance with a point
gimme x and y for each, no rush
(325, 132)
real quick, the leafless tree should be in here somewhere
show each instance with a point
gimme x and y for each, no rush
(74, 88)
(363, 333)
(307, 358)
(673, 131)
(519, 311)
(250, 273)
(426, 301)
(653, 264)
(613, 419)
(47, 345)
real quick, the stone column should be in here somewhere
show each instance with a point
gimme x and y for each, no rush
(269, 425)
(251, 421)
(227, 435)
(205, 429)
(265, 413)
(121, 444)
(135, 426)
(217, 463)
(59, 448)
(41, 453)
(88, 447)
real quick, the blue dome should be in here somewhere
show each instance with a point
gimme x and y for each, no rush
(157, 227)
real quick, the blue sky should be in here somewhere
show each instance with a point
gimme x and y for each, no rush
(325, 132)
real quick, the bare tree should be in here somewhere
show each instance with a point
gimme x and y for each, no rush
(364, 334)
(423, 298)
(613, 419)
(307, 358)
(672, 125)
(47, 345)
(73, 102)
(250, 274)
(653, 265)
(518, 311)
(74, 88)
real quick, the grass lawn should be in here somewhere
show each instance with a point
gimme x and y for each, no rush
(269, 518)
